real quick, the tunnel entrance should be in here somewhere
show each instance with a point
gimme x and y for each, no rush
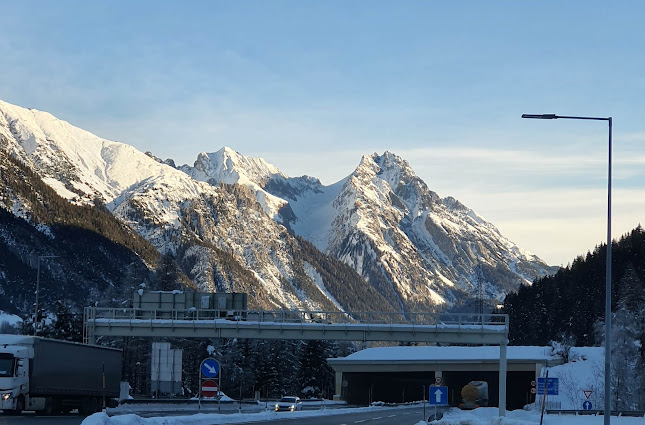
(363, 388)
(518, 386)
(455, 381)
(389, 387)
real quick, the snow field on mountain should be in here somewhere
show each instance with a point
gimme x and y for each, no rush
(316, 212)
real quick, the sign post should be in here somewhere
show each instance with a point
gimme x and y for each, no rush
(437, 396)
(209, 369)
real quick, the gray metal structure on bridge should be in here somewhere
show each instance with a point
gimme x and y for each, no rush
(445, 328)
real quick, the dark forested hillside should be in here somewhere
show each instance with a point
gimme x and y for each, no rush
(97, 258)
(571, 303)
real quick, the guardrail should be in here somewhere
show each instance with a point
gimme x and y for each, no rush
(299, 316)
(596, 412)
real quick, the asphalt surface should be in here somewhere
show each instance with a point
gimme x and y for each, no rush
(28, 418)
(375, 416)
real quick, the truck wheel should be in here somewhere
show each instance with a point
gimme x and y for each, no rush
(51, 406)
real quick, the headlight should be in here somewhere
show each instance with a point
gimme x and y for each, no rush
(6, 396)
(293, 407)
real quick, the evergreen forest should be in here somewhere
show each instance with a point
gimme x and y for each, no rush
(568, 309)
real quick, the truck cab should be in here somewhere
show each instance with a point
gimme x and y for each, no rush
(14, 378)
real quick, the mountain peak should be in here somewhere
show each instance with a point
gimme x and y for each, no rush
(229, 166)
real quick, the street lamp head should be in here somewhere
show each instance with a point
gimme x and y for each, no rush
(541, 116)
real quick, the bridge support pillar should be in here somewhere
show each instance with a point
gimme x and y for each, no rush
(338, 386)
(502, 378)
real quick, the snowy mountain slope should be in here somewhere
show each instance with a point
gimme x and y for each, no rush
(230, 167)
(382, 220)
(221, 236)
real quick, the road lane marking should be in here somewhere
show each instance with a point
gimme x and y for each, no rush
(391, 416)
(376, 419)
(358, 422)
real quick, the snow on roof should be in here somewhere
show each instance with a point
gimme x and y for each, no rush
(452, 353)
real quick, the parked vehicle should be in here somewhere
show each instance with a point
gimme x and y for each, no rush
(52, 376)
(288, 404)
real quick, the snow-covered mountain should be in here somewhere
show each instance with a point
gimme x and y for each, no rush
(238, 223)
(384, 222)
(221, 237)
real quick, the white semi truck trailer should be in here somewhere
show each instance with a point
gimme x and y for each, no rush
(52, 376)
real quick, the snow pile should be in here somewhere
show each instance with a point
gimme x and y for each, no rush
(584, 372)
(489, 416)
(427, 353)
(215, 419)
(10, 319)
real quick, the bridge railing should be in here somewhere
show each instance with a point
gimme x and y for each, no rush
(299, 316)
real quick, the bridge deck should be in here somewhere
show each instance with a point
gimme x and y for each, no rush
(285, 324)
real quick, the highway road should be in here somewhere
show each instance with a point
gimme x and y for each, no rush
(32, 419)
(376, 416)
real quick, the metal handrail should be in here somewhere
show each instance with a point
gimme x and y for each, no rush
(299, 316)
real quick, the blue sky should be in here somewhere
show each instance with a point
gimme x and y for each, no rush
(312, 86)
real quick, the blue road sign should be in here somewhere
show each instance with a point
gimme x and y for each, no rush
(438, 396)
(587, 405)
(551, 386)
(209, 368)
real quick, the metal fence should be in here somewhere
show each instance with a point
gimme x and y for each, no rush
(298, 316)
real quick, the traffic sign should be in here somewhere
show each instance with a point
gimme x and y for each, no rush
(587, 405)
(587, 393)
(209, 388)
(438, 396)
(209, 368)
(552, 386)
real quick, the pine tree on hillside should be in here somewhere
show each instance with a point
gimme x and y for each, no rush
(573, 299)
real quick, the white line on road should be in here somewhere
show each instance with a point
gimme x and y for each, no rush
(376, 419)
(358, 422)
(391, 416)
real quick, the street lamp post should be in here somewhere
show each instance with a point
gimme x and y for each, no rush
(38, 288)
(608, 260)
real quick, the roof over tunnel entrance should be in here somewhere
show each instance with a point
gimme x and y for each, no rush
(396, 374)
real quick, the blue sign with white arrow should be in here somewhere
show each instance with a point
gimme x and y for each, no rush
(587, 405)
(209, 368)
(438, 396)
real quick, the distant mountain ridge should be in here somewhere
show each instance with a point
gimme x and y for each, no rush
(231, 222)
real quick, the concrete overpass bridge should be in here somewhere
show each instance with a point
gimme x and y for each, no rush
(444, 328)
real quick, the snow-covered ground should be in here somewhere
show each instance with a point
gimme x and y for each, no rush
(215, 419)
(481, 416)
(489, 416)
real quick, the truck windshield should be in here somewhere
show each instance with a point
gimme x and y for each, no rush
(6, 365)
